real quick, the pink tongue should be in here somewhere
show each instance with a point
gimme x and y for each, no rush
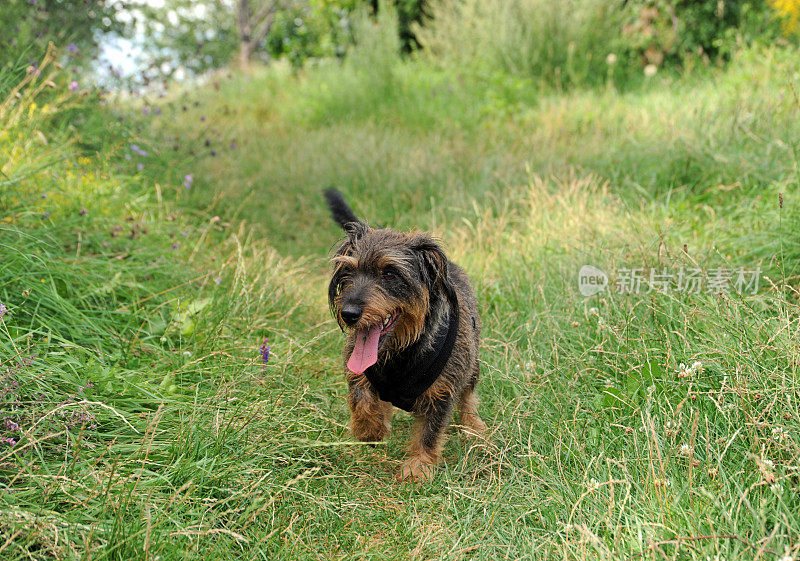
(365, 352)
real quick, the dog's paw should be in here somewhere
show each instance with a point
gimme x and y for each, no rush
(417, 470)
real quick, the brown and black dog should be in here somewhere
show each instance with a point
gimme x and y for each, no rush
(412, 335)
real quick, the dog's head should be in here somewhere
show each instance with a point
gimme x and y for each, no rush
(382, 287)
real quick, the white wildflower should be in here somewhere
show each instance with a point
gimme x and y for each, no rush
(779, 434)
(650, 70)
(686, 450)
(689, 371)
(611, 59)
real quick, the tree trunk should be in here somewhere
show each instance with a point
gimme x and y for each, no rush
(253, 27)
(245, 53)
(245, 31)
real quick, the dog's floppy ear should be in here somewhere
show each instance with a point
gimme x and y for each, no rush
(355, 230)
(433, 264)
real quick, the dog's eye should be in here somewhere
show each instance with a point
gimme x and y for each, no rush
(389, 275)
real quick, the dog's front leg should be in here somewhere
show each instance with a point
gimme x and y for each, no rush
(370, 418)
(426, 444)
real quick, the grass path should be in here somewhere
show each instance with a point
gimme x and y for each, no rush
(649, 426)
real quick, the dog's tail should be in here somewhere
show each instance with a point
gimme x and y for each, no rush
(341, 213)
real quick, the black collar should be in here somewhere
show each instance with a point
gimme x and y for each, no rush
(401, 380)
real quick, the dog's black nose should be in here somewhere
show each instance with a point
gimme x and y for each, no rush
(351, 314)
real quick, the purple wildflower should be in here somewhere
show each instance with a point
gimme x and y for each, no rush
(7, 440)
(140, 166)
(135, 148)
(83, 212)
(213, 153)
(72, 48)
(208, 142)
(73, 86)
(3, 309)
(45, 215)
(218, 280)
(264, 349)
(146, 110)
(188, 180)
(233, 145)
(88, 385)
(176, 245)
(11, 426)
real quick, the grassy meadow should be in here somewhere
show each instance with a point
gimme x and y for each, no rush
(149, 247)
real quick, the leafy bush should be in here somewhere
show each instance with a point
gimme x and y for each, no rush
(680, 30)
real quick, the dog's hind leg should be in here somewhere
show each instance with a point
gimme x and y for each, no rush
(468, 408)
(370, 418)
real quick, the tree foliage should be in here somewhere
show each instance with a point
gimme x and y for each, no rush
(197, 35)
(27, 26)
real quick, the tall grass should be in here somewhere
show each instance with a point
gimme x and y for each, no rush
(121, 316)
(555, 44)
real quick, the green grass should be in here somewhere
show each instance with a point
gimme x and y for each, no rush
(186, 445)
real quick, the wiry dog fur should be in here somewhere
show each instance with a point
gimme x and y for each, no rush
(381, 272)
